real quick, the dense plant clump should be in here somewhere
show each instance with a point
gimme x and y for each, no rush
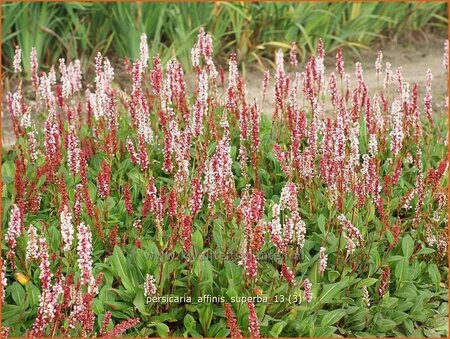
(153, 211)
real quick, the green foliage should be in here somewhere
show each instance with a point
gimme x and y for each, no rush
(254, 30)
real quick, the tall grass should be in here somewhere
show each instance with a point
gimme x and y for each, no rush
(254, 30)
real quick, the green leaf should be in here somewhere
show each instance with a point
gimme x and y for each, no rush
(398, 316)
(7, 171)
(98, 307)
(321, 221)
(314, 274)
(407, 246)
(366, 282)
(10, 314)
(321, 332)
(120, 267)
(197, 241)
(359, 316)
(385, 325)
(189, 322)
(161, 329)
(402, 270)
(376, 260)
(205, 312)
(333, 317)
(394, 258)
(222, 333)
(435, 276)
(17, 293)
(277, 328)
(426, 251)
(409, 326)
(33, 294)
(333, 275)
(140, 302)
(407, 291)
(330, 291)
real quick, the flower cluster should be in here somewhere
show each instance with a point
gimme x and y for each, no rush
(253, 322)
(17, 60)
(67, 229)
(293, 230)
(15, 226)
(307, 290)
(71, 77)
(251, 210)
(122, 327)
(127, 198)
(195, 202)
(288, 274)
(84, 250)
(235, 332)
(32, 244)
(219, 181)
(366, 297)
(187, 231)
(50, 293)
(103, 180)
(323, 259)
(73, 152)
(149, 285)
(4, 280)
(351, 234)
(384, 282)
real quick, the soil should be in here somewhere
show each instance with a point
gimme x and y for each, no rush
(413, 58)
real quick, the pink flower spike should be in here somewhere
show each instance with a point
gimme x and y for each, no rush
(144, 56)
(149, 285)
(378, 64)
(15, 226)
(428, 97)
(197, 194)
(67, 228)
(4, 280)
(445, 62)
(323, 260)
(265, 83)
(122, 327)
(34, 69)
(232, 322)
(307, 290)
(187, 232)
(32, 244)
(103, 180)
(84, 250)
(253, 323)
(339, 63)
(286, 272)
(17, 60)
(293, 55)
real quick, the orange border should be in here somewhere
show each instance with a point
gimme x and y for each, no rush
(394, 1)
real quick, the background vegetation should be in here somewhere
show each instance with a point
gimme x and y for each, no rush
(254, 30)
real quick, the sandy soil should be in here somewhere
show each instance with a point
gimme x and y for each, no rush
(414, 59)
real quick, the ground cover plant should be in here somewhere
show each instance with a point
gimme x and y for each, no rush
(156, 210)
